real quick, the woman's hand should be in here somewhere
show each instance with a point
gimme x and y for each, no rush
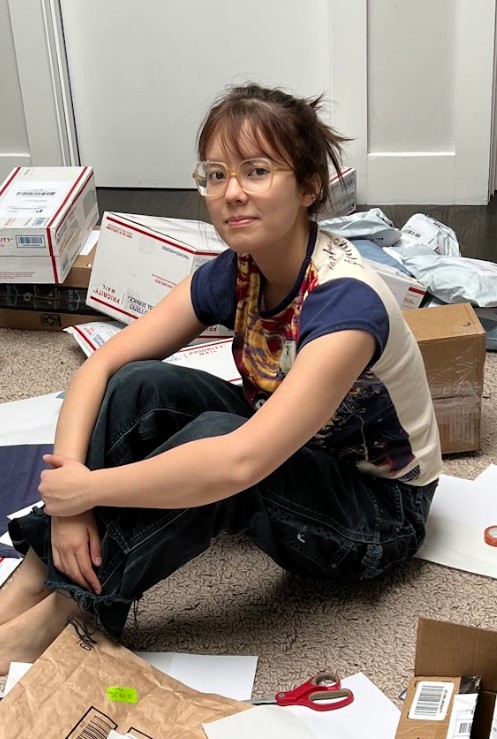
(65, 489)
(76, 549)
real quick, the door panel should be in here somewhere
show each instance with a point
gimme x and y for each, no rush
(143, 74)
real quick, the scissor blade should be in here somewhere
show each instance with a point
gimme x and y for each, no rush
(261, 701)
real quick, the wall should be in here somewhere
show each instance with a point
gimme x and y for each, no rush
(14, 147)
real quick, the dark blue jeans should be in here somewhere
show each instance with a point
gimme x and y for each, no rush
(313, 516)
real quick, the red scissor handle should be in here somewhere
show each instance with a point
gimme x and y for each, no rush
(323, 692)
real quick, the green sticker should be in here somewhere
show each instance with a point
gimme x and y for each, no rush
(122, 695)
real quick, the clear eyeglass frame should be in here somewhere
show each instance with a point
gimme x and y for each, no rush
(263, 184)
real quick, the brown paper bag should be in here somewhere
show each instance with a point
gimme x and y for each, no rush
(64, 696)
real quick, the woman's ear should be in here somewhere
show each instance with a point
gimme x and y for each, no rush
(311, 191)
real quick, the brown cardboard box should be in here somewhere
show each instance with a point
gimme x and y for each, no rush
(439, 707)
(50, 307)
(444, 648)
(452, 342)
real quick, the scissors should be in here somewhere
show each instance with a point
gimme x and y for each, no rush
(325, 686)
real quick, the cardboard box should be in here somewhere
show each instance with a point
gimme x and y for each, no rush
(343, 194)
(439, 707)
(444, 648)
(140, 259)
(50, 307)
(33, 320)
(452, 343)
(46, 215)
(408, 292)
(215, 357)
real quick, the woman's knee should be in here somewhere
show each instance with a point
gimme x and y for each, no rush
(145, 378)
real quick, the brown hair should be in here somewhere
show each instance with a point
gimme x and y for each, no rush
(281, 124)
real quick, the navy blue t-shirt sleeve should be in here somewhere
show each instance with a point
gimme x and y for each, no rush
(213, 290)
(340, 305)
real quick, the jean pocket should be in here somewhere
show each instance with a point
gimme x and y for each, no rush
(133, 527)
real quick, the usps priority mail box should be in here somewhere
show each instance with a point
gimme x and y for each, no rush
(46, 215)
(139, 260)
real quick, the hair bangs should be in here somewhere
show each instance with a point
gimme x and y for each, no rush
(244, 130)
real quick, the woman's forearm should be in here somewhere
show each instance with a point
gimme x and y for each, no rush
(80, 409)
(193, 474)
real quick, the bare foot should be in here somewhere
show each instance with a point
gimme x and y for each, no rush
(25, 638)
(25, 589)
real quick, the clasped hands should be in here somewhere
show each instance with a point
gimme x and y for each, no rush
(66, 488)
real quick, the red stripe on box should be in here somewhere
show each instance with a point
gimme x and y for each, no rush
(417, 290)
(13, 176)
(207, 343)
(344, 173)
(85, 171)
(78, 330)
(114, 307)
(52, 257)
(162, 239)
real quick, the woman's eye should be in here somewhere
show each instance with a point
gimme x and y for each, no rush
(216, 175)
(259, 172)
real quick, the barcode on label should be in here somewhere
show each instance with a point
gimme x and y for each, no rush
(431, 700)
(412, 232)
(30, 240)
(40, 222)
(37, 193)
(94, 725)
(464, 729)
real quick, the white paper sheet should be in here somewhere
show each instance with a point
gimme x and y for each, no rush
(7, 567)
(230, 676)
(472, 501)
(6, 540)
(263, 722)
(17, 670)
(460, 512)
(371, 713)
(89, 243)
(30, 421)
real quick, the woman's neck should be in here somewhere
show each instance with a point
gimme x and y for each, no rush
(281, 264)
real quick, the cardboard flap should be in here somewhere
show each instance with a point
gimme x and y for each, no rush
(197, 234)
(452, 321)
(451, 649)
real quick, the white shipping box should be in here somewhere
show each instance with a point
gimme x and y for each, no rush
(343, 193)
(215, 357)
(139, 259)
(407, 291)
(46, 215)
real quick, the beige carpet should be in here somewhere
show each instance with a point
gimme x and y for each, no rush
(233, 600)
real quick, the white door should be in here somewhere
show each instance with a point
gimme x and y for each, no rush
(36, 126)
(144, 73)
(413, 85)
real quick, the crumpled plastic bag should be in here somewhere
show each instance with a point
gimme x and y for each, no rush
(452, 279)
(423, 230)
(372, 224)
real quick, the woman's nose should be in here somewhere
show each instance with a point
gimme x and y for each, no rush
(234, 190)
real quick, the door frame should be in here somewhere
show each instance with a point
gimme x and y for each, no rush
(44, 81)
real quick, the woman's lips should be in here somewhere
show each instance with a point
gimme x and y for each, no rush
(239, 221)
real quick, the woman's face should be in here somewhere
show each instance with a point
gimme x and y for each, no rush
(249, 223)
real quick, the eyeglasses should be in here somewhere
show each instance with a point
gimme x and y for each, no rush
(254, 175)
